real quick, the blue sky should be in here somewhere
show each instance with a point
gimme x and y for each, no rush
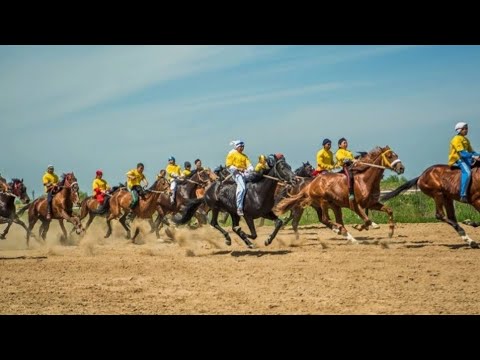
(87, 107)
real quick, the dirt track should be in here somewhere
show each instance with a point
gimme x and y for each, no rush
(424, 269)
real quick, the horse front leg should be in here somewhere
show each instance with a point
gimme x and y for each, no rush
(63, 238)
(8, 221)
(278, 226)
(123, 221)
(71, 219)
(391, 222)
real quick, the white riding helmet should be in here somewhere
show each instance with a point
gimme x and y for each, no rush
(460, 126)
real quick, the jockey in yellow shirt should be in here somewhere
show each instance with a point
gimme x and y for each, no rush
(344, 159)
(239, 166)
(461, 155)
(325, 158)
(50, 181)
(187, 171)
(173, 172)
(100, 187)
(262, 164)
(134, 179)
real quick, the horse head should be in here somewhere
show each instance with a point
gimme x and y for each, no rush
(305, 170)
(222, 172)
(20, 190)
(279, 168)
(383, 158)
(69, 181)
(391, 160)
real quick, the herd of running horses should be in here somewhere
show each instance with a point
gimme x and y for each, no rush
(268, 195)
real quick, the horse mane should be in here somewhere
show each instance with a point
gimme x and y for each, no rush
(371, 155)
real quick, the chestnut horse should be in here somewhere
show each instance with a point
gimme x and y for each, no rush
(442, 184)
(7, 204)
(331, 191)
(62, 205)
(145, 208)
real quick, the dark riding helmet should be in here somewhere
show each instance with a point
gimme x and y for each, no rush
(326, 141)
(187, 164)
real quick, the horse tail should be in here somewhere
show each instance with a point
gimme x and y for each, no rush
(23, 209)
(302, 199)
(189, 211)
(400, 189)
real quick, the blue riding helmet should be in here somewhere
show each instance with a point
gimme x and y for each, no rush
(171, 158)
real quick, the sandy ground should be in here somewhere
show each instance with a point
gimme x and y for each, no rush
(423, 269)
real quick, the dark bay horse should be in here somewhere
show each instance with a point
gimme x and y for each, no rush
(146, 207)
(442, 184)
(259, 201)
(16, 188)
(331, 191)
(62, 208)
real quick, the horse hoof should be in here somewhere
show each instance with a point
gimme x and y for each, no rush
(228, 242)
(2, 237)
(474, 245)
(267, 242)
(251, 246)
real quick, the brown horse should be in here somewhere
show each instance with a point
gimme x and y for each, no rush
(89, 206)
(62, 205)
(7, 204)
(187, 189)
(145, 208)
(331, 191)
(442, 183)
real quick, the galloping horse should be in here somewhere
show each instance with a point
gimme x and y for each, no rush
(259, 201)
(187, 189)
(120, 205)
(331, 191)
(442, 183)
(89, 205)
(7, 205)
(62, 205)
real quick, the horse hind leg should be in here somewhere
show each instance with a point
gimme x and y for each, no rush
(214, 223)
(238, 230)
(452, 220)
(340, 226)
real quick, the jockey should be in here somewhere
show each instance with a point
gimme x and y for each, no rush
(198, 166)
(325, 162)
(262, 164)
(187, 172)
(50, 181)
(461, 155)
(173, 172)
(345, 160)
(100, 188)
(134, 179)
(239, 166)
